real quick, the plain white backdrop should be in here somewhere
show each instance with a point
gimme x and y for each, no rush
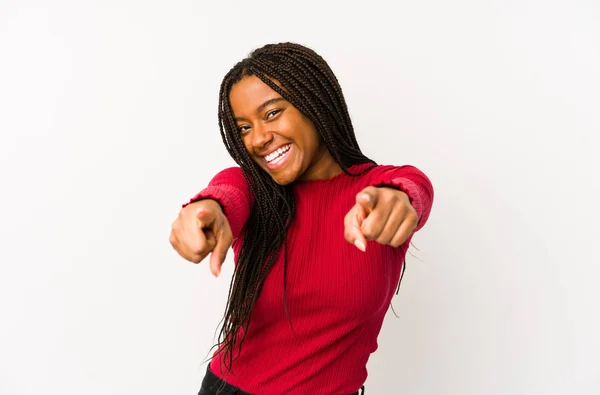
(108, 124)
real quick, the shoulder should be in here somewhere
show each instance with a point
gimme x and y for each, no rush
(232, 171)
(370, 170)
(395, 171)
(229, 175)
(383, 169)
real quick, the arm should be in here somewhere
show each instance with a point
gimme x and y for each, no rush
(230, 189)
(396, 204)
(208, 223)
(414, 183)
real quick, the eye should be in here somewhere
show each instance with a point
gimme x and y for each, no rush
(243, 129)
(272, 113)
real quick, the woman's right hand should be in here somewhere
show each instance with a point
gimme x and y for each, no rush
(202, 228)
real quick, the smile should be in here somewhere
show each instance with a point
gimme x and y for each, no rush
(278, 156)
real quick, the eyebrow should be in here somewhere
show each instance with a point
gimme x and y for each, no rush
(263, 106)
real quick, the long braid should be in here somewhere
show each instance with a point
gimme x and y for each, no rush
(308, 83)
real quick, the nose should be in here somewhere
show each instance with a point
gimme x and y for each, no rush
(261, 137)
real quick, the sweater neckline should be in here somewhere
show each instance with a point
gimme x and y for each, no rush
(353, 169)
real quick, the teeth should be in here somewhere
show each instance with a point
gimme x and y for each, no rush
(276, 154)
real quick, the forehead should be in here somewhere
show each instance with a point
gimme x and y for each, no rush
(249, 93)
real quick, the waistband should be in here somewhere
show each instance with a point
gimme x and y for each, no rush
(212, 383)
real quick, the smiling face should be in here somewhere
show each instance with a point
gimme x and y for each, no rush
(278, 136)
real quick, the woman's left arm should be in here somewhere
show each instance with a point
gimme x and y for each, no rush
(396, 205)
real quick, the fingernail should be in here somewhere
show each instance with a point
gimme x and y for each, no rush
(360, 245)
(367, 196)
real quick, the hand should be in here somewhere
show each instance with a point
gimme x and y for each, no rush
(381, 214)
(202, 228)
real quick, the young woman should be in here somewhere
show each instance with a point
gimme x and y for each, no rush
(319, 231)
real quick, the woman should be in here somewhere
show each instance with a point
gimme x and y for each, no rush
(319, 231)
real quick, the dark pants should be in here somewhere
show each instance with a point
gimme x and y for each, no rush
(212, 384)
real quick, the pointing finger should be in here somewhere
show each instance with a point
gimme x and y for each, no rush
(352, 232)
(224, 239)
(359, 240)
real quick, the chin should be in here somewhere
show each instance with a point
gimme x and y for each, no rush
(283, 180)
(284, 176)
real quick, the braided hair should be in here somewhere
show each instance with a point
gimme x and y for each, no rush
(308, 83)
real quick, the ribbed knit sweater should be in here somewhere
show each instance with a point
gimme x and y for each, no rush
(337, 295)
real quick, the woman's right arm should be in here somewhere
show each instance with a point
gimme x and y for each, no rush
(212, 218)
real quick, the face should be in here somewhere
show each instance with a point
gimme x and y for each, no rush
(277, 135)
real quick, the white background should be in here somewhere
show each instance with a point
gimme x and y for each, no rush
(108, 124)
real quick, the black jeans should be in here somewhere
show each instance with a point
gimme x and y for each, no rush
(211, 384)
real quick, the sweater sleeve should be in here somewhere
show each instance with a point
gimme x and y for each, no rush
(411, 181)
(230, 189)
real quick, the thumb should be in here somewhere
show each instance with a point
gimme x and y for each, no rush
(367, 198)
(205, 217)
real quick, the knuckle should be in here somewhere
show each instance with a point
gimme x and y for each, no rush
(397, 240)
(383, 239)
(400, 203)
(412, 217)
(368, 231)
(199, 257)
(199, 248)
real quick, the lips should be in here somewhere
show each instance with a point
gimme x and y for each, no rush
(277, 158)
(277, 154)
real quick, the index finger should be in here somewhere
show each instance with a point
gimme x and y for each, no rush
(352, 223)
(219, 253)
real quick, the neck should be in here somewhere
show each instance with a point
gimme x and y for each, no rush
(324, 167)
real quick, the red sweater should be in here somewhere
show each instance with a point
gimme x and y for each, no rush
(337, 296)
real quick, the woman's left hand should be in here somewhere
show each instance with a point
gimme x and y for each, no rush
(382, 214)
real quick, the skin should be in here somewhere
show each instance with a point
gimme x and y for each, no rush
(267, 122)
